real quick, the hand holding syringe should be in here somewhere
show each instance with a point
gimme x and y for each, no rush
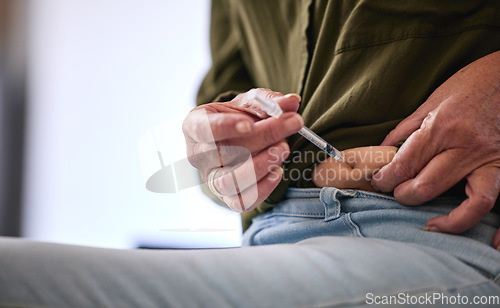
(226, 139)
(273, 109)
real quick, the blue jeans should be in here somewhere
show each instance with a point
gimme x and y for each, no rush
(319, 248)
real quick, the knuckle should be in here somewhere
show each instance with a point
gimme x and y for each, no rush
(194, 162)
(401, 171)
(232, 154)
(196, 156)
(245, 173)
(423, 135)
(261, 167)
(191, 126)
(428, 121)
(277, 153)
(234, 204)
(424, 191)
(216, 124)
(484, 203)
(438, 124)
(265, 165)
(270, 136)
(225, 185)
(456, 228)
(204, 157)
(272, 94)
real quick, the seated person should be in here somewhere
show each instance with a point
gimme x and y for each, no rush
(369, 73)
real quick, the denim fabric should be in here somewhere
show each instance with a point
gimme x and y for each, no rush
(331, 248)
(309, 213)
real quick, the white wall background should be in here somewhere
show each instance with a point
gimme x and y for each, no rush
(103, 73)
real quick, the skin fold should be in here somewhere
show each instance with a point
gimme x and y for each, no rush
(357, 170)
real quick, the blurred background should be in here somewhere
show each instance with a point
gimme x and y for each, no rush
(81, 83)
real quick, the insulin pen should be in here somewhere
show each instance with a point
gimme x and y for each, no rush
(273, 109)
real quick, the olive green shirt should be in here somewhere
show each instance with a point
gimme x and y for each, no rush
(361, 66)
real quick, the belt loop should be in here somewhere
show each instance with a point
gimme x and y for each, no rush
(328, 197)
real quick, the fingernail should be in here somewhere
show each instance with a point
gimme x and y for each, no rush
(278, 171)
(294, 95)
(294, 123)
(431, 229)
(284, 146)
(243, 127)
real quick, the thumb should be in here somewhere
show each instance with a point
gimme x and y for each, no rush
(287, 103)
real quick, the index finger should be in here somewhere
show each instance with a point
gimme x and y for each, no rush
(204, 127)
(410, 159)
(440, 174)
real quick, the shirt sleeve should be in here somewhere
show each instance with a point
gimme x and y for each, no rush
(228, 74)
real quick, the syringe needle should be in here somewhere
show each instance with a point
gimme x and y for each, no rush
(321, 143)
(273, 109)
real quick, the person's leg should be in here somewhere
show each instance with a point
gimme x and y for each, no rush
(345, 248)
(317, 272)
(329, 211)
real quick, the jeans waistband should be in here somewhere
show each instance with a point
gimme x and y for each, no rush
(330, 202)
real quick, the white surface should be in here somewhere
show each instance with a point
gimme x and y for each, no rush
(103, 73)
